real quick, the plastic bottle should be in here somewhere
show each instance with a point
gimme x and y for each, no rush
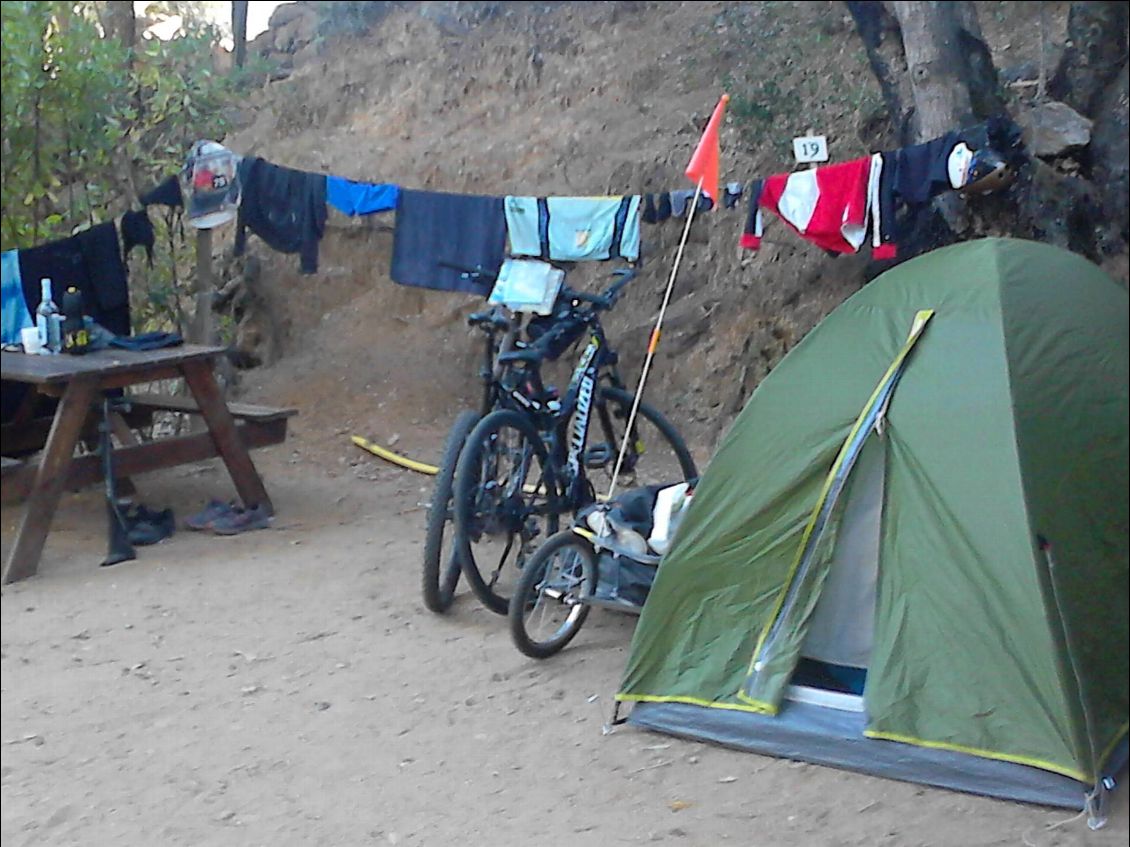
(76, 339)
(48, 321)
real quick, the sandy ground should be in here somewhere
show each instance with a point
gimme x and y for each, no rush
(288, 687)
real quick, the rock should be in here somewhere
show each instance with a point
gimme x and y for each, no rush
(1023, 72)
(286, 12)
(1053, 128)
(1110, 153)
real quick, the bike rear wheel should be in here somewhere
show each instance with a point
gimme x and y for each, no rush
(505, 502)
(548, 607)
(441, 563)
(656, 453)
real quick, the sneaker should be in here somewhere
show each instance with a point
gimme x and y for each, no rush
(242, 520)
(215, 510)
(149, 527)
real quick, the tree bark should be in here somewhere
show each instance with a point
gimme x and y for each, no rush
(950, 83)
(934, 62)
(239, 32)
(883, 43)
(120, 24)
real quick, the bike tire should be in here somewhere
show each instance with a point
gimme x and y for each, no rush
(441, 573)
(494, 512)
(619, 403)
(575, 578)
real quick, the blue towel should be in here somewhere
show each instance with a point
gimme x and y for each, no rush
(360, 198)
(13, 307)
(574, 228)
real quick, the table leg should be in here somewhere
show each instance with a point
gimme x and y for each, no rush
(48, 487)
(221, 426)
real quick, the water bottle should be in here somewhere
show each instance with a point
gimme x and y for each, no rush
(48, 321)
(76, 339)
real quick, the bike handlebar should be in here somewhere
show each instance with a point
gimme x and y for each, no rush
(606, 300)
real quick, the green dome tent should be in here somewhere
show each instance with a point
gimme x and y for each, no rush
(909, 555)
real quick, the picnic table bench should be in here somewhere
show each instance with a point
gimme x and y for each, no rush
(231, 431)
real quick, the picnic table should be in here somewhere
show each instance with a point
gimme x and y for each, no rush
(79, 382)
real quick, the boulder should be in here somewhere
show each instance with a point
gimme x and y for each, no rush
(1110, 153)
(1053, 128)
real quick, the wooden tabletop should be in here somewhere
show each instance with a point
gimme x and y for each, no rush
(62, 367)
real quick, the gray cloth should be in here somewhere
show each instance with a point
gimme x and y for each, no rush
(681, 199)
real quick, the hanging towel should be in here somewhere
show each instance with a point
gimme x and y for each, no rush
(284, 207)
(360, 198)
(681, 201)
(751, 235)
(571, 229)
(13, 306)
(92, 262)
(921, 171)
(449, 242)
(827, 206)
(166, 193)
(137, 231)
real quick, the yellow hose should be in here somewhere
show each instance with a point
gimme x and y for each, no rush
(423, 467)
(389, 456)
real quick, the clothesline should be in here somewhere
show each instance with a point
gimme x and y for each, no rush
(457, 242)
(839, 207)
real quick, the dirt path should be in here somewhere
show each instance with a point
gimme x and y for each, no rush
(287, 687)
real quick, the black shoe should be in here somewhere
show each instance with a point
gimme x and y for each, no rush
(148, 527)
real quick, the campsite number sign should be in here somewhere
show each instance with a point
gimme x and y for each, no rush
(810, 148)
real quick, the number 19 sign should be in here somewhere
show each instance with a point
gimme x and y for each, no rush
(810, 148)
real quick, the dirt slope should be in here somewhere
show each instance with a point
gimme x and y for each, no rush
(552, 98)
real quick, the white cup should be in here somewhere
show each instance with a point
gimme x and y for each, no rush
(29, 337)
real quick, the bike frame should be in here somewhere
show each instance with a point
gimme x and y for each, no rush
(564, 424)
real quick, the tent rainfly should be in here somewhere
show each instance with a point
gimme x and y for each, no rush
(909, 555)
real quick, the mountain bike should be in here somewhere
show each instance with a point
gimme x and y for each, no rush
(530, 461)
(441, 564)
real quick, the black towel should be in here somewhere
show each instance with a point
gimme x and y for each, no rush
(284, 207)
(92, 262)
(167, 193)
(450, 242)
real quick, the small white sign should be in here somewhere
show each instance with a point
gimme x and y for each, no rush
(810, 148)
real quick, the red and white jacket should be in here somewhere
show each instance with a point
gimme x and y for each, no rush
(833, 206)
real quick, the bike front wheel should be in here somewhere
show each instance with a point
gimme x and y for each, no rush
(505, 503)
(441, 562)
(549, 604)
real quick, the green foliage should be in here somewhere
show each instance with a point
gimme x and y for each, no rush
(88, 124)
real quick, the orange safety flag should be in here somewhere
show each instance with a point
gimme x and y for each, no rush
(704, 163)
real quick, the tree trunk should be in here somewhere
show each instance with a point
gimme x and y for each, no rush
(948, 82)
(120, 24)
(934, 62)
(883, 43)
(239, 31)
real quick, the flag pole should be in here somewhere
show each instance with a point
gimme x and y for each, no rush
(653, 342)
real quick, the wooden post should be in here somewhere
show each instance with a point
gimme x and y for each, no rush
(202, 331)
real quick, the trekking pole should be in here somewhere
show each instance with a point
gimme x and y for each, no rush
(653, 342)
